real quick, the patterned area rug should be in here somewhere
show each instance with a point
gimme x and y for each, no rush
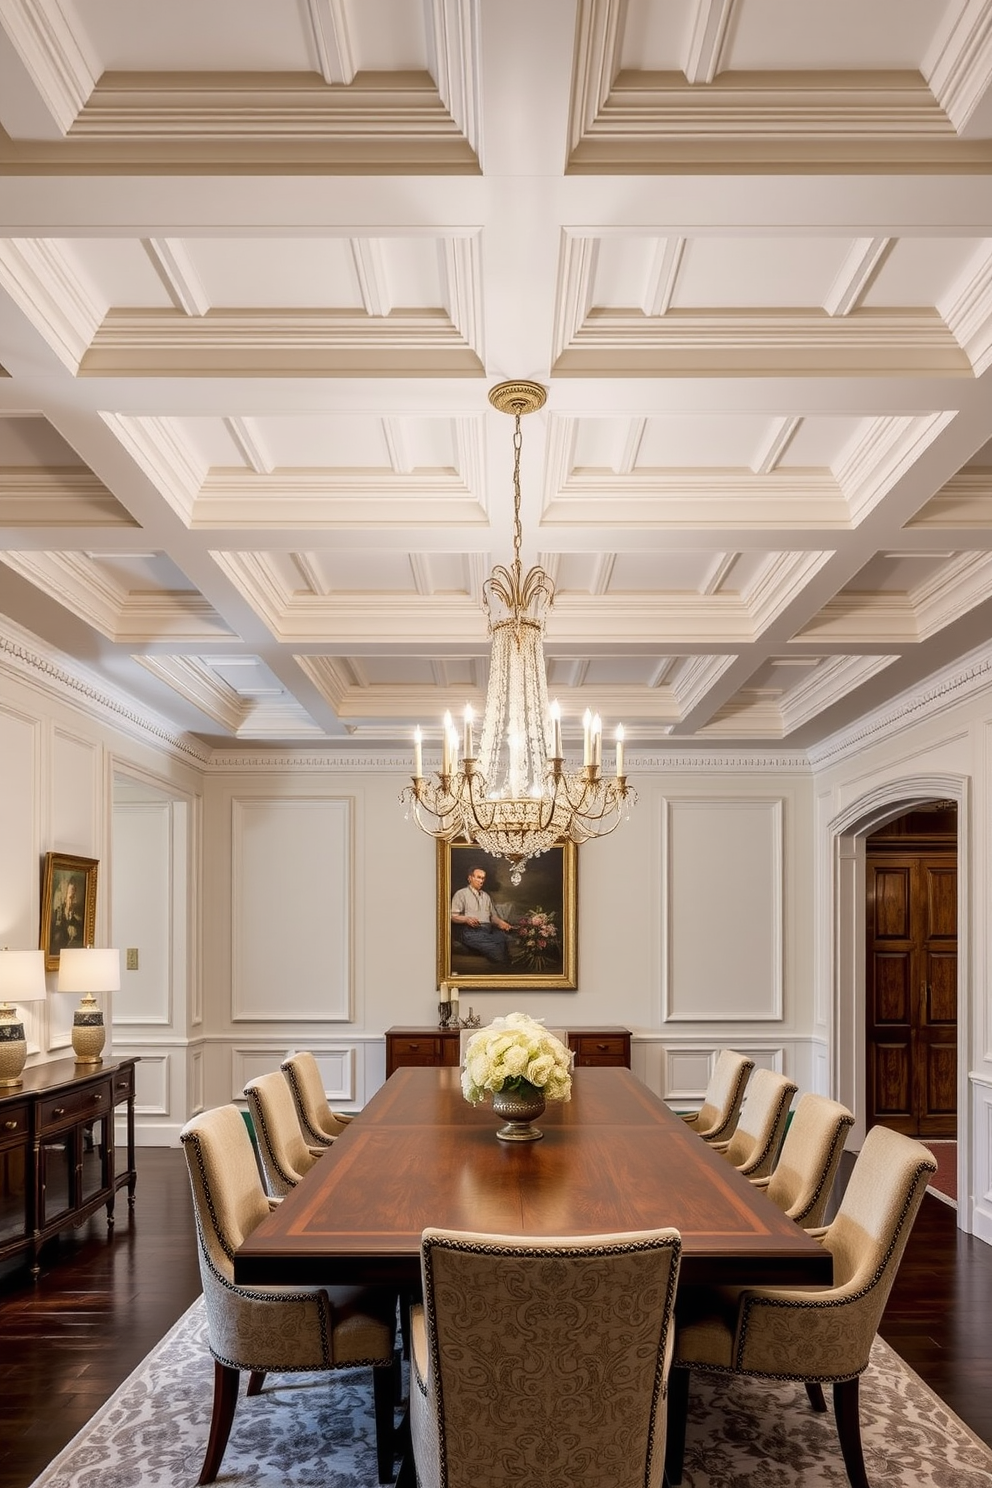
(944, 1183)
(308, 1430)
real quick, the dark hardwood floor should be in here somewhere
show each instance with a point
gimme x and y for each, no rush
(100, 1305)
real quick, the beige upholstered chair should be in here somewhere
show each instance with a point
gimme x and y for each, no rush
(318, 1123)
(764, 1115)
(816, 1334)
(551, 1352)
(716, 1118)
(803, 1177)
(284, 1329)
(284, 1155)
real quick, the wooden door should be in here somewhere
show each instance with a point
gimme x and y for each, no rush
(911, 992)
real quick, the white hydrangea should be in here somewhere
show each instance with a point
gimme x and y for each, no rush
(516, 1050)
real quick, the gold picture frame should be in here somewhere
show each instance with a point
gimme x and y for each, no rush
(541, 947)
(68, 905)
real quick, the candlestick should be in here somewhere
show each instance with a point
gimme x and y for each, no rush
(597, 740)
(587, 738)
(468, 741)
(418, 753)
(446, 745)
(619, 738)
(555, 712)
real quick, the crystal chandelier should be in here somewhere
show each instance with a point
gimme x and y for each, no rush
(514, 798)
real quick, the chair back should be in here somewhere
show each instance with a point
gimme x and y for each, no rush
(869, 1232)
(803, 1177)
(318, 1123)
(764, 1115)
(284, 1155)
(553, 1351)
(717, 1117)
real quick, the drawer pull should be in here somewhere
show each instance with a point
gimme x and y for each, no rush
(121, 1084)
(603, 1048)
(97, 1098)
(413, 1048)
(10, 1125)
(59, 1111)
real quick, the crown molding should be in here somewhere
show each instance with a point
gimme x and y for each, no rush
(965, 501)
(890, 448)
(25, 658)
(36, 498)
(969, 315)
(339, 762)
(42, 36)
(832, 679)
(331, 37)
(253, 123)
(958, 683)
(454, 40)
(159, 449)
(47, 289)
(960, 73)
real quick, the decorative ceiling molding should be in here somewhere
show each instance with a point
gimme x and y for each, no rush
(627, 121)
(52, 54)
(34, 497)
(710, 19)
(863, 261)
(770, 343)
(338, 761)
(329, 30)
(961, 71)
(263, 123)
(40, 281)
(25, 658)
(964, 502)
(177, 272)
(888, 450)
(968, 314)
(158, 448)
(195, 681)
(76, 581)
(454, 47)
(830, 681)
(905, 618)
(313, 343)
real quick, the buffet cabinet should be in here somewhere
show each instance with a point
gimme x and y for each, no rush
(441, 1047)
(58, 1162)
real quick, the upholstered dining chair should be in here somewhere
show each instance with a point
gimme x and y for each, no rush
(820, 1335)
(282, 1152)
(761, 1126)
(264, 1328)
(549, 1352)
(318, 1123)
(717, 1116)
(802, 1179)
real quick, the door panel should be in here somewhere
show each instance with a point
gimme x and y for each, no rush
(911, 991)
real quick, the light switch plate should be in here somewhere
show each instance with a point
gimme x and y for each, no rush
(132, 958)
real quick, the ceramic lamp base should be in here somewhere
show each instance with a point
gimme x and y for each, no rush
(13, 1048)
(88, 1036)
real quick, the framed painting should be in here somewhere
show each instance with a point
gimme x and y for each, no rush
(491, 934)
(68, 905)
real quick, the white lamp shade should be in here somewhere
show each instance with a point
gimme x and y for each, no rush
(89, 970)
(22, 976)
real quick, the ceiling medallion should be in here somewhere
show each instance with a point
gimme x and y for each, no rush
(514, 798)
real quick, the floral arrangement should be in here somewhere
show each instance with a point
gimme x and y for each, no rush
(513, 1053)
(536, 944)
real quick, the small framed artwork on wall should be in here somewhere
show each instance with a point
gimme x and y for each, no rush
(491, 934)
(68, 905)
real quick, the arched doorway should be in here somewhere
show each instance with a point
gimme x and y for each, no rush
(843, 942)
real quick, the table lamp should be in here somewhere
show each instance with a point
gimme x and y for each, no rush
(22, 979)
(89, 971)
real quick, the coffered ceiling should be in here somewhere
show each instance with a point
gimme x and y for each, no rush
(261, 261)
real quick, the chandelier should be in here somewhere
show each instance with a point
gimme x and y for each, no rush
(514, 798)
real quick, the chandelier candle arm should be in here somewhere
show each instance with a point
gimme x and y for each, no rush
(512, 795)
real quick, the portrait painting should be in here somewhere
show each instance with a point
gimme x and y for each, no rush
(492, 933)
(68, 905)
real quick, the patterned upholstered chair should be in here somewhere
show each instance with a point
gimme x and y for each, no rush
(764, 1115)
(716, 1118)
(551, 1352)
(820, 1335)
(318, 1123)
(802, 1179)
(284, 1329)
(284, 1155)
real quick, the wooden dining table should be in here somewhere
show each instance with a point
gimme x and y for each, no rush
(614, 1158)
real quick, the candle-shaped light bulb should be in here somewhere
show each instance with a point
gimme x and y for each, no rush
(453, 746)
(446, 745)
(418, 752)
(469, 744)
(587, 738)
(555, 712)
(619, 739)
(597, 739)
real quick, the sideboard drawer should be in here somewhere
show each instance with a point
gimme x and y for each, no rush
(408, 1051)
(13, 1125)
(63, 1110)
(600, 1048)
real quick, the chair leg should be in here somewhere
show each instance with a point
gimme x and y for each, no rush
(255, 1381)
(848, 1419)
(815, 1393)
(383, 1393)
(221, 1418)
(678, 1410)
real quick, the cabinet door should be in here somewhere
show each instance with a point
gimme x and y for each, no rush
(15, 1174)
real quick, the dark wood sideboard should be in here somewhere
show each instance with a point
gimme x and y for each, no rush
(57, 1157)
(440, 1047)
